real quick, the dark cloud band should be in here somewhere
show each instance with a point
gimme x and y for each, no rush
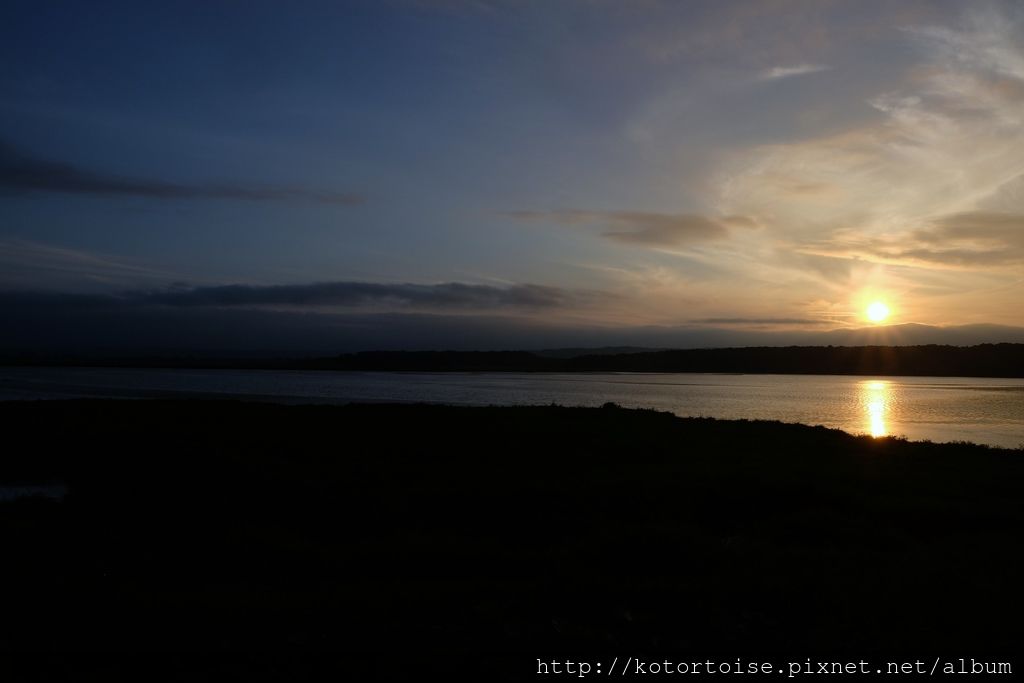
(437, 296)
(758, 321)
(404, 296)
(644, 228)
(20, 172)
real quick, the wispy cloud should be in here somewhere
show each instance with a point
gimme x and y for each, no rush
(947, 144)
(987, 43)
(21, 172)
(974, 239)
(25, 264)
(644, 228)
(777, 72)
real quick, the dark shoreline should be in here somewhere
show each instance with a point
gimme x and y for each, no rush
(983, 360)
(229, 526)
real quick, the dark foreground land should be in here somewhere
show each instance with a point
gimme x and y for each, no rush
(499, 535)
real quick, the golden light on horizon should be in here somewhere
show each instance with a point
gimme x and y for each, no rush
(877, 311)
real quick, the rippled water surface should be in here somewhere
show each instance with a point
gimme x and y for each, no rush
(937, 408)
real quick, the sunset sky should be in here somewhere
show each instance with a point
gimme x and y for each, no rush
(431, 174)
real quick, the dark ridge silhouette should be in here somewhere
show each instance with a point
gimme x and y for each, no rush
(432, 532)
(983, 360)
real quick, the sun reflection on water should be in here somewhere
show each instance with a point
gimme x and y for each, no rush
(875, 395)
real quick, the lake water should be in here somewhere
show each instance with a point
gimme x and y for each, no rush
(989, 411)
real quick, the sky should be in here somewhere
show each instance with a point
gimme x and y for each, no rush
(314, 176)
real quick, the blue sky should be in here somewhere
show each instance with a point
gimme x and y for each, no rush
(759, 166)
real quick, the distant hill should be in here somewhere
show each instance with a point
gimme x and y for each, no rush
(907, 334)
(601, 351)
(981, 360)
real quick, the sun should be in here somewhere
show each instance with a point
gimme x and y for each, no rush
(877, 312)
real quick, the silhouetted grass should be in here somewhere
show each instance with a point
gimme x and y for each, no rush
(223, 525)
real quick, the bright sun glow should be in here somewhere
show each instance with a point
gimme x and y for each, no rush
(877, 312)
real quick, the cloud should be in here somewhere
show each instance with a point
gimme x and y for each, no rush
(448, 296)
(21, 172)
(293, 319)
(777, 72)
(758, 321)
(1004, 228)
(933, 180)
(25, 263)
(970, 239)
(642, 227)
(987, 44)
(973, 238)
(444, 296)
(309, 318)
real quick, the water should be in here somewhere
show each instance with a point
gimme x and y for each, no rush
(989, 411)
